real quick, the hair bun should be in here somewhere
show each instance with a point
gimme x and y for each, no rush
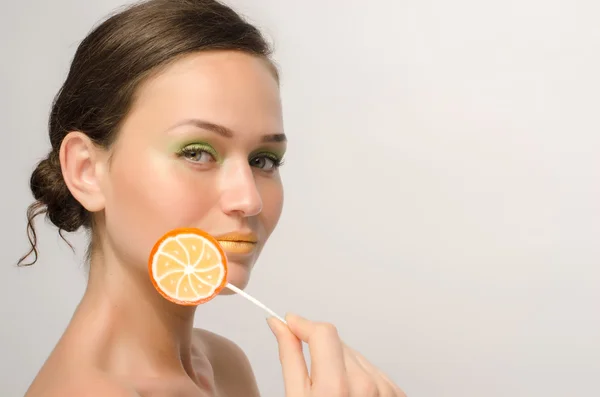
(49, 188)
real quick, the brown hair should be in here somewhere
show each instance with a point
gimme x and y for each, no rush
(108, 66)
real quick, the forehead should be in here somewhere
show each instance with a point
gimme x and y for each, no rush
(234, 89)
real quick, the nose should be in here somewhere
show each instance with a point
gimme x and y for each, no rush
(239, 193)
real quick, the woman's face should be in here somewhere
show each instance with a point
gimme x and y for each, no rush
(200, 148)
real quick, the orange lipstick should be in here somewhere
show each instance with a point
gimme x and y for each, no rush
(238, 243)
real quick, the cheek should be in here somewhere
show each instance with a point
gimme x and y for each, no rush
(272, 198)
(151, 196)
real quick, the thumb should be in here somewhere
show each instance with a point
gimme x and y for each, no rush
(293, 365)
(301, 327)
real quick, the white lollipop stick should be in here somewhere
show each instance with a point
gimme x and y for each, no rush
(253, 300)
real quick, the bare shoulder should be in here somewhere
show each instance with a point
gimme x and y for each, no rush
(232, 369)
(82, 385)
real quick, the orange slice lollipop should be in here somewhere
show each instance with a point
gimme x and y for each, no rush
(188, 266)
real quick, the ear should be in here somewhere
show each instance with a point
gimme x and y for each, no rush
(83, 165)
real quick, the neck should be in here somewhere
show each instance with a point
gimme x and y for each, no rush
(133, 323)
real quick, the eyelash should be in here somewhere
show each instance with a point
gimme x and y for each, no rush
(197, 149)
(277, 161)
(191, 150)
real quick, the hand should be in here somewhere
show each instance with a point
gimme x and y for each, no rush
(336, 369)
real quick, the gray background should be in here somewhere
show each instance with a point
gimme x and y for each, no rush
(443, 178)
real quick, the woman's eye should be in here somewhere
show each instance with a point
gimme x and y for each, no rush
(198, 155)
(265, 163)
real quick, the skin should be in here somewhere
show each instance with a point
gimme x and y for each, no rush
(125, 339)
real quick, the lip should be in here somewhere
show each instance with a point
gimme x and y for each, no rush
(238, 242)
(238, 237)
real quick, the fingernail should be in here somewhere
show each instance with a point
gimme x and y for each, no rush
(294, 316)
(272, 322)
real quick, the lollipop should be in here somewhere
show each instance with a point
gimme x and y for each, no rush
(188, 267)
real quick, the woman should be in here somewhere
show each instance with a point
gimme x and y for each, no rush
(170, 116)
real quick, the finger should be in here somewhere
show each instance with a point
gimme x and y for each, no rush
(386, 386)
(328, 369)
(293, 365)
(362, 383)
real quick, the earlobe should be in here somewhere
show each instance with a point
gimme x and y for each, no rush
(82, 168)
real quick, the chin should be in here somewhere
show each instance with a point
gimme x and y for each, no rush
(238, 275)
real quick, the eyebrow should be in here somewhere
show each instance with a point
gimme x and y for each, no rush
(224, 131)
